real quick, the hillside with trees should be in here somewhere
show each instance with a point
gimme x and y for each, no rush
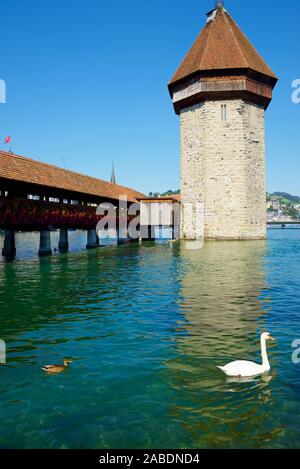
(285, 197)
(164, 194)
(283, 204)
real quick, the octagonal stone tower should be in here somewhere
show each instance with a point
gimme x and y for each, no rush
(221, 91)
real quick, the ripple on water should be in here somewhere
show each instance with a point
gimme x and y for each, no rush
(146, 327)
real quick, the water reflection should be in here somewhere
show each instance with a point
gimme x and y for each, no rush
(265, 378)
(220, 288)
(146, 327)
(220, 291)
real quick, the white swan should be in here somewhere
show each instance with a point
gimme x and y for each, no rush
(244, 368)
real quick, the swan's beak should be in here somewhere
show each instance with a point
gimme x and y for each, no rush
(272, 338)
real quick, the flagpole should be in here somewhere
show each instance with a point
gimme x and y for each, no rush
(8, 140)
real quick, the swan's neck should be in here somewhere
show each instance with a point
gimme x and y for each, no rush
(264, 355)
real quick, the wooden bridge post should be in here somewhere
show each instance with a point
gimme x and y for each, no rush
(122, 235)
(147, 232)
(9, 247)
(91, 239)
(151, 233)
(45, 243)
(176, 221)
(63, 244)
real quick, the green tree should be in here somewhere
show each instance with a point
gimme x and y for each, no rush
(292, 212)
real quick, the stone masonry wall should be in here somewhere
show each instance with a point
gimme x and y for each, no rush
(223, 187)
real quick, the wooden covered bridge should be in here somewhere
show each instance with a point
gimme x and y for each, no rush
(39, 196)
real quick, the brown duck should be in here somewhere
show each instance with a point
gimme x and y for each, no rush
(57, 368)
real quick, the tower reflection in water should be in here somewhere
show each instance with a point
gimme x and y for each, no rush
(225, 306)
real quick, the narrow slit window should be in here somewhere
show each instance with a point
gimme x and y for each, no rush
(224, 112)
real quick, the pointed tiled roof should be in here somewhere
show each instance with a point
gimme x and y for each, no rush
(221, 45)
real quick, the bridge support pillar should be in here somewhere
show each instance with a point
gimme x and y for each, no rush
(63, 244)
(132, 235)
(91, 239)
(147, 232)
(122, 235)
(175, 231)
(9, 247)
(45, 243)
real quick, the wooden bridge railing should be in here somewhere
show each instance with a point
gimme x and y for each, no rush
(20, 214)
(28, 215)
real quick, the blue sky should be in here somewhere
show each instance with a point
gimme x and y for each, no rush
(87, 82)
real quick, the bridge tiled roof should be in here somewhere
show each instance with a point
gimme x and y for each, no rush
(221, 46)
(26, 170)
(169, 198)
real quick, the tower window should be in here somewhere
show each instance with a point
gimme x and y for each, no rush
(224, 113)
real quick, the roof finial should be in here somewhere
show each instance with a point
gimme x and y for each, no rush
(113, 175)
(220, 4)
(211, 15)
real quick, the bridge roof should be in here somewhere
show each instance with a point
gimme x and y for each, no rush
(26, 170)
(220, 46)
(170, 198)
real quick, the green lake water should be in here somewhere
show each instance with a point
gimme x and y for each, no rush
(146, 326)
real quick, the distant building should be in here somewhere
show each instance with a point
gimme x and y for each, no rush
(274, 204)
